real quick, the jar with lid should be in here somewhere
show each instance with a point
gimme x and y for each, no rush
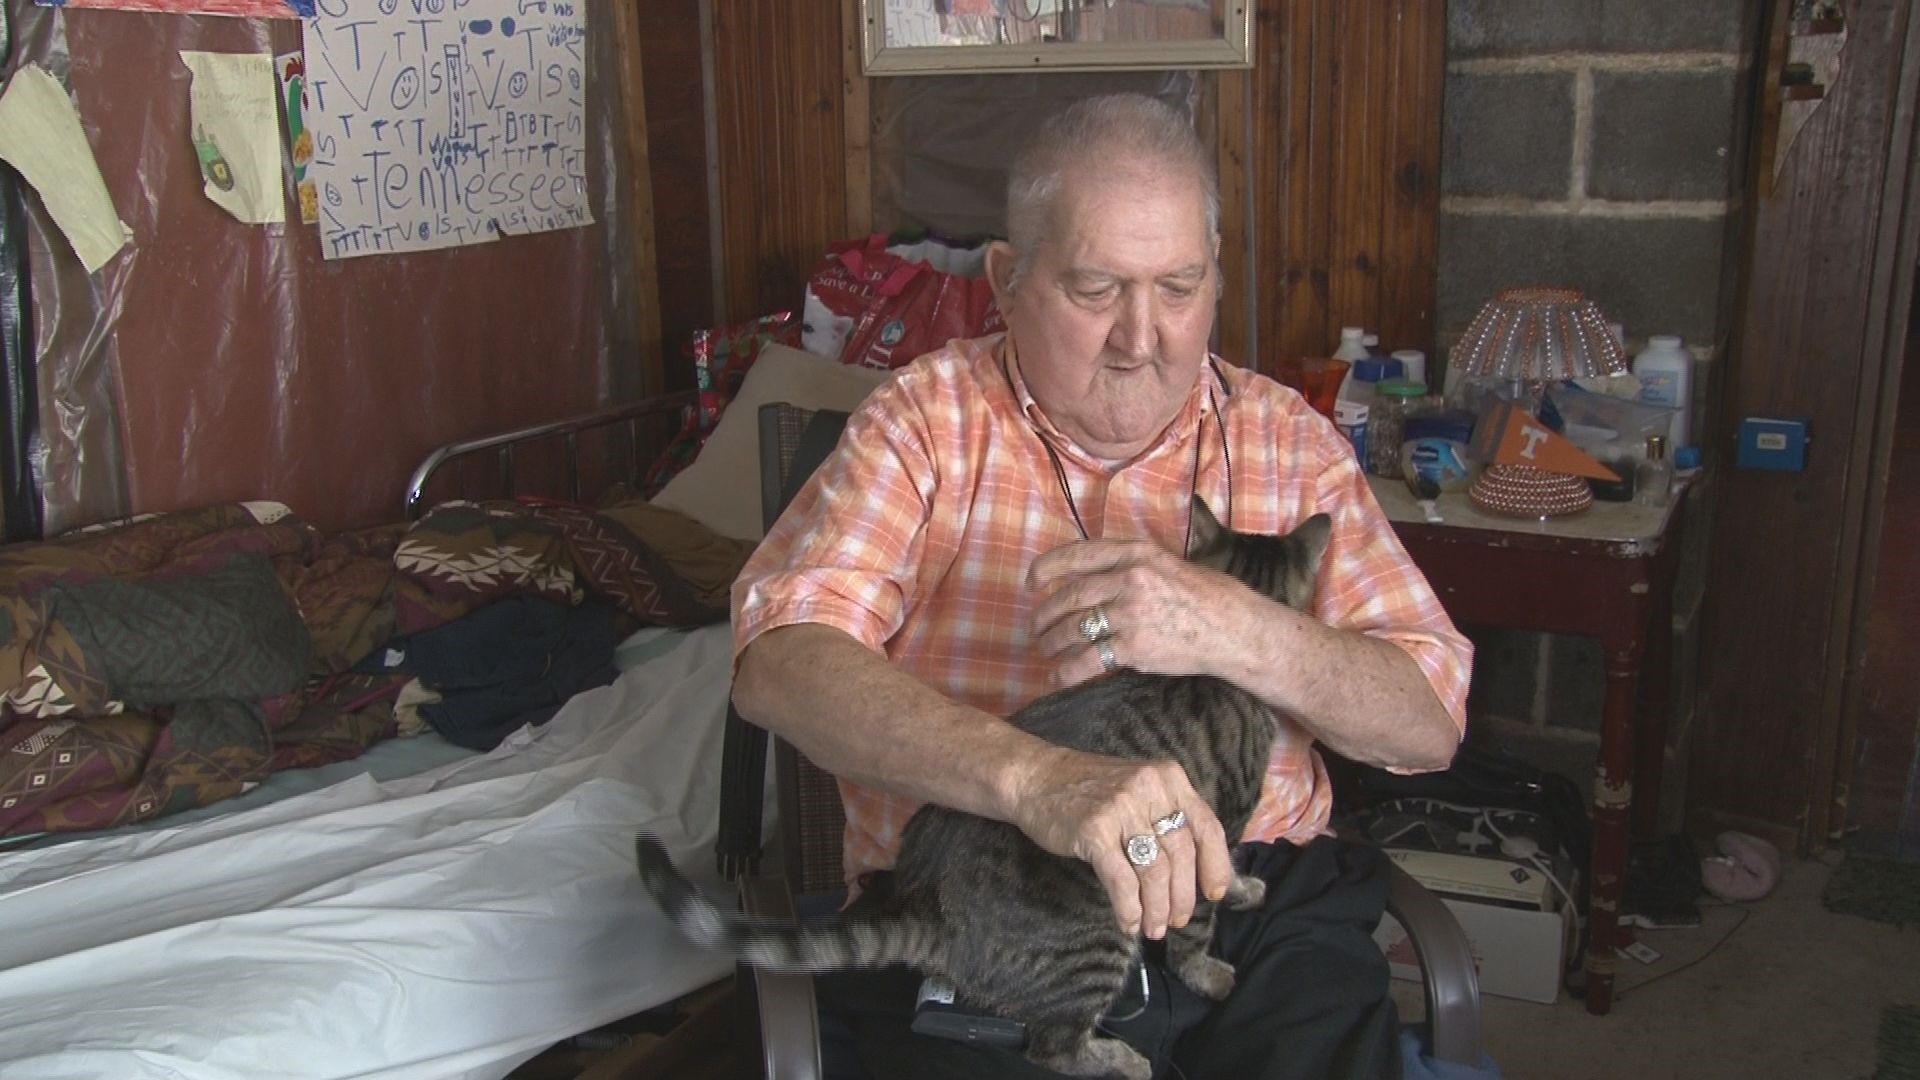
(1394, 399)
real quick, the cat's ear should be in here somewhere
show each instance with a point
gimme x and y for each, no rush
(1206, 529)
(1311, 537)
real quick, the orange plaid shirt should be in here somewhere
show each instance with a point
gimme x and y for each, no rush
(915, 536)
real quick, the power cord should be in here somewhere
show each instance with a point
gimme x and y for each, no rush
(1714, 948)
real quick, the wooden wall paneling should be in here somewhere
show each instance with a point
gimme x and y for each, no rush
(1294, 178)
(1886, 351)
(1771, 642)
(858, 123)
(1356, 116)
(1347, 159)
(783, 167)
(672, 40)
(1237, 336)
(1410, 211)
(650, 373)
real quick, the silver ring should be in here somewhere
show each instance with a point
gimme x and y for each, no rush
(1095, 627)
(1175, 820)
(1142, 849)
(1104, 648)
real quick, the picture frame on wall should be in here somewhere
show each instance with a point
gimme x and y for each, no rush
(931, 37)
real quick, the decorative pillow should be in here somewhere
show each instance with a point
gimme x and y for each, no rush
(721, 489)
(704, 562)
(225, 631)
(464, 555)
(621, 563)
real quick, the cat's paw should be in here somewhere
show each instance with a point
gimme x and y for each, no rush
(1245, 893)
(1208, 976)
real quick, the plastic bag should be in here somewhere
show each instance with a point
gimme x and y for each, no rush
(1607, 427)
(873, 306)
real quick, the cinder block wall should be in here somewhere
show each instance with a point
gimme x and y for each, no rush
(1587, 143)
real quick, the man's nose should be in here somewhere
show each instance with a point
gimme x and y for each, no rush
(1133, 331)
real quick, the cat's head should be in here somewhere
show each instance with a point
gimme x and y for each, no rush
(1282, 567)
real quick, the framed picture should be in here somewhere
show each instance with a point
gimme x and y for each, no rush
(926, 37)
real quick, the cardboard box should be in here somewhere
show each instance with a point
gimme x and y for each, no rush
(1474, 875)
(1520, 952)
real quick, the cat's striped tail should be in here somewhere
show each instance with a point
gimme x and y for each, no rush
(782, 945)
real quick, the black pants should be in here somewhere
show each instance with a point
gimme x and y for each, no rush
(1310, 998)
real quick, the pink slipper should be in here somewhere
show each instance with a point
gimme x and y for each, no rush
(1746, 868)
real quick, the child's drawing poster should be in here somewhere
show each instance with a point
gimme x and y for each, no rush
(437, 124)
(256, 9)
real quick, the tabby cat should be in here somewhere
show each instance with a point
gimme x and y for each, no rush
(1024, 933)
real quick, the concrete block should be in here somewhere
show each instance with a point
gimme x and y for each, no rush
(1508, 135)
(1656, 275)
(1504, 662)
(1478, 28)
(1661, 135)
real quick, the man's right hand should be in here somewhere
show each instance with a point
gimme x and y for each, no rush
(1086, 805)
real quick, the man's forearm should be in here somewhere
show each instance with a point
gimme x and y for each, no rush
(1363, 697)
(856, 716)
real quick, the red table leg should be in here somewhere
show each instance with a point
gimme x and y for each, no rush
(1612, 804)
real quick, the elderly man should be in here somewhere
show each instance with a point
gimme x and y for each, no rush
(936, 573)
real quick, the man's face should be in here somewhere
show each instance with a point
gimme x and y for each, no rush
(1112, 319)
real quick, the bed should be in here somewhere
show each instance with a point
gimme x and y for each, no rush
(420, 910)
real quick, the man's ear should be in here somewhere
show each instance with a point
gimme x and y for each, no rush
(1000, 263)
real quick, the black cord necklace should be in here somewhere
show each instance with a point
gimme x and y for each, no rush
(1193, 490)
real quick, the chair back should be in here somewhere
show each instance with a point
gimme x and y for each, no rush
(793, 442)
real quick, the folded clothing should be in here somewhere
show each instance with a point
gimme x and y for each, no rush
(510, 663)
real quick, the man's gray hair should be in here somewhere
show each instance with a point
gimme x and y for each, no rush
(1124, 126)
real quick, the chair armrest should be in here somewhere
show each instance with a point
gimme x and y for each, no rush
(789, 1015)
(1446, 960)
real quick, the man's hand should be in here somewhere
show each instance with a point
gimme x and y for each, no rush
(1168, 616)
(1086, 806)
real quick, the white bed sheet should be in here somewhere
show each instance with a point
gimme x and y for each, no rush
(450, 924)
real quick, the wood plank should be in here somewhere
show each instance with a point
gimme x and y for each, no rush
(637, 176)
(858, 123)
(1768, 637)
(672, 43)
(1876, 606)
(1347, 102)
(779, 101)
(1355, 119)
(1236, 316)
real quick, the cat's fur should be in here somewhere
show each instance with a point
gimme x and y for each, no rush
(1022, 932)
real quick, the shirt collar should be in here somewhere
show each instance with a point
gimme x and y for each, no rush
(1199, 405)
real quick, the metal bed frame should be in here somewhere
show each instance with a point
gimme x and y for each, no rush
(569, 430)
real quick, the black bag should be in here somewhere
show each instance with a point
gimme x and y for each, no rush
(1488, 779)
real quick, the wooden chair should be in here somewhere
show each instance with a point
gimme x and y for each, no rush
(782, 1009)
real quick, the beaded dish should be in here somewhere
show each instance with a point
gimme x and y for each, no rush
(1526, 492)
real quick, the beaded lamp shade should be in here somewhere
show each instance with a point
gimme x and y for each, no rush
(1539, 334)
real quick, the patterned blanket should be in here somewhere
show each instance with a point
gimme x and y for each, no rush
(167, 662)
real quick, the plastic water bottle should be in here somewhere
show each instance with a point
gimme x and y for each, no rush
(1665, 371)
(1353, 409)
(1413, 364)
(1352, 344)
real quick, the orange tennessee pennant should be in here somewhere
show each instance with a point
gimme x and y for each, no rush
(1509, 436)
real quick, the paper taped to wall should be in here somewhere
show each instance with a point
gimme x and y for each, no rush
(40, 135)
(236, 133)
(437, 128)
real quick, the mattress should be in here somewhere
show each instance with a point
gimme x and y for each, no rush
(451, 923)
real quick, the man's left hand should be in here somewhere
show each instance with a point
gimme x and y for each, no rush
(1165, 615)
